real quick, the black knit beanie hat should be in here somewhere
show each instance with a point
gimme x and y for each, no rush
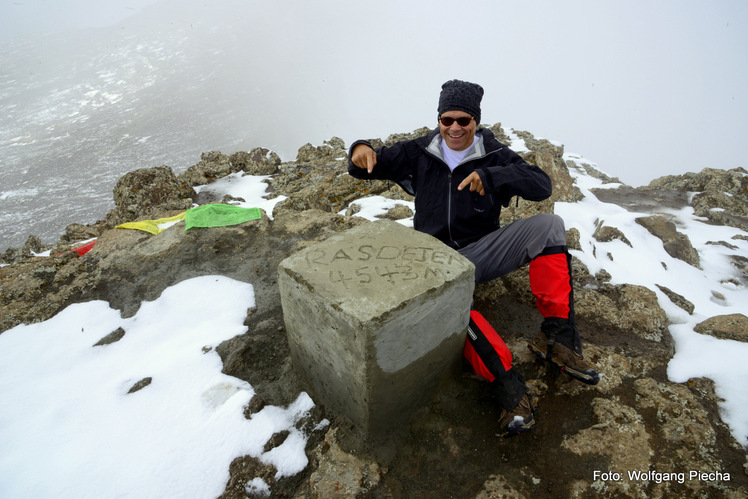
(461, 96)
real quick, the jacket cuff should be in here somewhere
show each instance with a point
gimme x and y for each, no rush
(486, 179)
(353, 146)
(353, 169)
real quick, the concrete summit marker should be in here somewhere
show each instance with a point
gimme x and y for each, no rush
(374, 316)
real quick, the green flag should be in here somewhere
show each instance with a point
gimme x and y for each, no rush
(219, 215)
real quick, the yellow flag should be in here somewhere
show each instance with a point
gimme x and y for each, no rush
(153, 226)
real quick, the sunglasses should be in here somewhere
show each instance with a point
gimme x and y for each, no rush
(463, 121)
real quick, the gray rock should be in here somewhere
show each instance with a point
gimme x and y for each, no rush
(726, 327)
(722, 196)
(675, 243)
(605, 233)
(212, 166)
(148, 192)
(643, 199)
(340, 473)
(112, 337)
(323, 188)
(80, 232)
(593, 172)
(572, 239)
(140, 385)
(397, 137)
(258, 161)
(628, 308)
(619, 433)
(32, 245)
(397, 213)
(677, 299)
(332, 150)
(499, 133)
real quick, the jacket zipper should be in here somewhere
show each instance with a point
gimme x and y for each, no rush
(449, 209)
(449, 187)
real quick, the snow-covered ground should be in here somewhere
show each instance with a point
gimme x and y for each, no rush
(715, 290)
(69, 428)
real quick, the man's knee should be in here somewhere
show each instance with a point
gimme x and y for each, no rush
(552, 225)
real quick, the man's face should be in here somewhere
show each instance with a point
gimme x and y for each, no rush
(457, 138)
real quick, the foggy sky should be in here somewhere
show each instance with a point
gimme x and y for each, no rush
(642, 88)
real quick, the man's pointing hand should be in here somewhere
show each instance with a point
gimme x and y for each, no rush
(475, 183)
(364, 157)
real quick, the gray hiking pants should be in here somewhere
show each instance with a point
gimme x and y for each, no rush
(514, 245)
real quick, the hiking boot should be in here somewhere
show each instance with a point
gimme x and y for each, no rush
(518, 420)
(564, 357)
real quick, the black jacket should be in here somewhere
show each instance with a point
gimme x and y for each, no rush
(457, 218)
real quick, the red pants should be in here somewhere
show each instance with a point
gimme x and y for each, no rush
(490, 358)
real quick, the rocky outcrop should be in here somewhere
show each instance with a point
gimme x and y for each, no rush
(719, 195)
(643, 199)
(258, 161)
(147, 192)
(549, 157)
(330, 151)
(341, 474)
(605, 234)
(214, 165)
(726, 327)
(32, 245)
(633, 420)
(677, 299)
(675, 243)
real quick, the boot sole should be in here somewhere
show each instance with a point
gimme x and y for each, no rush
(516, 431)
(525, 427)
(584, 377)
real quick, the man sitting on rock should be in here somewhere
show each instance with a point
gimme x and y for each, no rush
(461, 175)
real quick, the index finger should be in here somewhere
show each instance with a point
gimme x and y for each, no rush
(468, 180)
(371, 161)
